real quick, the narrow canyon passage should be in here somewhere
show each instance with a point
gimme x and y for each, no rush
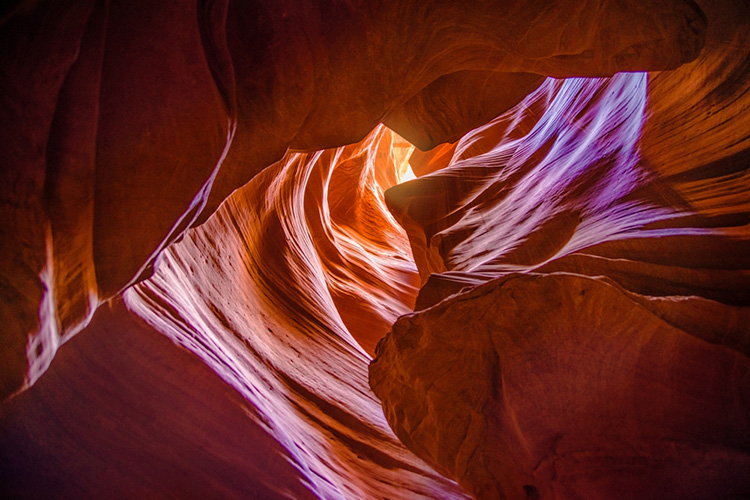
(552, 300)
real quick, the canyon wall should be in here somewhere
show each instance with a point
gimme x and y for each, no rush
(203, 206)
(279, 293)
(125, 123)
(585, 267)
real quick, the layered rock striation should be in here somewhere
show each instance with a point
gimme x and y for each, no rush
(586, 254)
(203, 206)
(279, 294)
(126, 123)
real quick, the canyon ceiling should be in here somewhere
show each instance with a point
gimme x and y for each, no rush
(375, 249)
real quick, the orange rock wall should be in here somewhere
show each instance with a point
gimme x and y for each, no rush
(589, 250)
(127, 122)
(576, 252)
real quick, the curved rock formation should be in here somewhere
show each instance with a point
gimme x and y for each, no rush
(612, 335)
(563, 386)
(111, 135)
(276, 293)
(581, 327)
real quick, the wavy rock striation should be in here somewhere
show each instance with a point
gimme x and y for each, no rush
(276, 293)
(201, 203)
(115, 144)
(585, 301)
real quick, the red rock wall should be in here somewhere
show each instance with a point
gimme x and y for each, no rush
(127, 122)
(598, 230)
(124, 413)
(285, 283)
(277, 293)
(608, 222)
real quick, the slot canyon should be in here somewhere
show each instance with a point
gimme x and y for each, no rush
(375, 249)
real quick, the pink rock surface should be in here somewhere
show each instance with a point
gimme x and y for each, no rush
(277, 293)
(125, 413)
(125, 123)
(169, 158)
(633, 192)
(281, 309)
(562, 386)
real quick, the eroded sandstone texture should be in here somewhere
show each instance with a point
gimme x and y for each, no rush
(201, 203)
(564, 386)
(586, 289)
(127, 122)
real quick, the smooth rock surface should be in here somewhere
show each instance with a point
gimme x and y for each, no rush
(276, 295)
(168, 158)
(560, 386)
(125, 413)
(125, 123)
(633, 190)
